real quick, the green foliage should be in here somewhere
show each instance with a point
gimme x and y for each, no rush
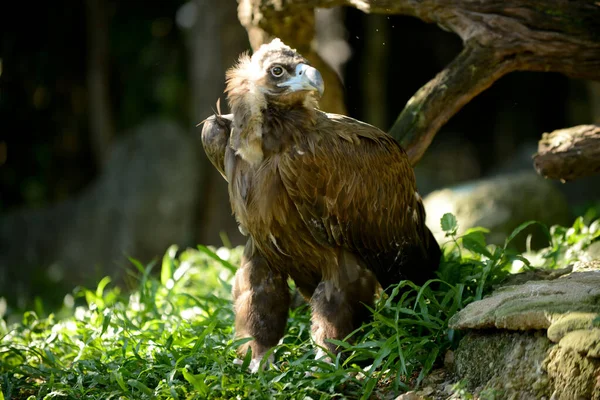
(567, 244)
(172, 337)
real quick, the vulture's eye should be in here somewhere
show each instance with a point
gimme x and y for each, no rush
(277, 71)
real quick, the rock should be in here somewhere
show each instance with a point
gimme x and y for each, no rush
(573, 376)
(586, 266)
(507, 352)
(535, 275)
(449, 359)
(504, 364)
(593, 250)
(500, 204)
(143, 202)
(584, 341)
(525, 365)
(570, 322)
(409, 396)
(534, 305)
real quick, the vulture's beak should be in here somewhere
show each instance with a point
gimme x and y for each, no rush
(305, 78)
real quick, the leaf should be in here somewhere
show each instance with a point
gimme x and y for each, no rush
(120, 381)
(137, 264)
(475, 242)
(167, 268)
(524, 225)
(215, 257)
(368, 389)
(106, 321)
(197, 381)
(140, 386)
(513, 257)
(247, 359)
(449, 224)
(476, 229)
(100, 288)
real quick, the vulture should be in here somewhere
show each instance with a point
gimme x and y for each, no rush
(324, 199)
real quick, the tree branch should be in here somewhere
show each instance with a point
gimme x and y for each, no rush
(568, 154)
(474, 70)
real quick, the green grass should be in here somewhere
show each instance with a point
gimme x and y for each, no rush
(171, 337)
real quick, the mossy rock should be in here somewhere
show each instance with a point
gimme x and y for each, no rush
(573, 321)
(584, 341)
(573, 375)
(504, 365)
(525, 365)
(533, 305)
(537, 340)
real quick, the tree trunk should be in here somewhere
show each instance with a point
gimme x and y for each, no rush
(568, 154)
(295, 26)
(374, 67)
(499, 37)
(102, 128)
(214, 42)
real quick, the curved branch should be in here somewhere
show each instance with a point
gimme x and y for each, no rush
(472, 71)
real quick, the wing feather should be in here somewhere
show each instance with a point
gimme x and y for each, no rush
(215, 139)
(356, 190)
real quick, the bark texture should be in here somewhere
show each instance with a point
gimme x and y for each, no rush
(498, 36)
(102, 128)
(294, 24)
(568, 154)
(214, 42)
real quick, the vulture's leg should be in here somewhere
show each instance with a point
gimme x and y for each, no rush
(261, 299)
(338, 311)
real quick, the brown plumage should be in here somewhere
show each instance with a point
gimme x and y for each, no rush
(325, 199)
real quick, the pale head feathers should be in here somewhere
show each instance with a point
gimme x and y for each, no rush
(250, 88)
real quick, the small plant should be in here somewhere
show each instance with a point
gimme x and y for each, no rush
(172, 336)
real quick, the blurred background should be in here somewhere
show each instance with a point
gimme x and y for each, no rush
(100, 158)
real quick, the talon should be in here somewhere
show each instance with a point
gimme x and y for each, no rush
(254, 365)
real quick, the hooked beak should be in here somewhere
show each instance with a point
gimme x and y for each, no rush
(305, 78)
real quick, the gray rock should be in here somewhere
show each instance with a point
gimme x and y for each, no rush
(508, 354)
(500, 204)
(533, 305)
(143, 202)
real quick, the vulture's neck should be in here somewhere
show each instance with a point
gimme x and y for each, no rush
(263, 126)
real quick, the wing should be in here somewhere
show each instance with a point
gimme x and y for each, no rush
(215, 138)
(355, 188)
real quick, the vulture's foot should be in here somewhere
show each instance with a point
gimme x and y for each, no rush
(254, 365)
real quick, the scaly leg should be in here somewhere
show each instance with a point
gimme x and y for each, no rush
(261, 299)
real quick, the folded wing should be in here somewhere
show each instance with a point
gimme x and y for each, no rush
(355, 189)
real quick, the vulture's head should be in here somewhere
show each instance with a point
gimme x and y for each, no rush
(275, 74)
